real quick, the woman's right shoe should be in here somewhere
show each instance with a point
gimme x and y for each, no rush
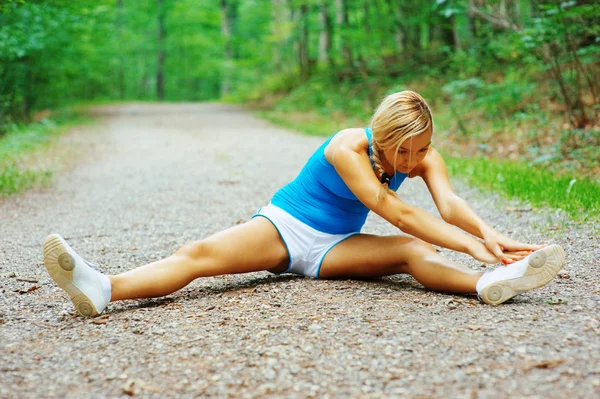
(536, 270)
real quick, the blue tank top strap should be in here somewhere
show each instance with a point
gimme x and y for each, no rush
(369, 134)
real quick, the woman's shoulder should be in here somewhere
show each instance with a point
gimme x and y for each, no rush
(354, 138)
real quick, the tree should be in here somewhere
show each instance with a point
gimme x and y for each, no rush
(558, 37)
(326, 36)
(344, 28)
(229, 17)
(160, 55)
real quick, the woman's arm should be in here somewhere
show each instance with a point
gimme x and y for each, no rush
(457, 211)
(354, 167)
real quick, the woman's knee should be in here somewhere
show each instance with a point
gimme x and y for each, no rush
(411, 254)
(417, 251)
(195, 251)
(422, 247)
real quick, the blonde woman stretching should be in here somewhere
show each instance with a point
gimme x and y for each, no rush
(312, 226)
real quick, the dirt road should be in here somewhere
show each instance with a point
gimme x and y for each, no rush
(151, 177)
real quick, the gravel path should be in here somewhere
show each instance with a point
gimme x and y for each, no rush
(152, 177)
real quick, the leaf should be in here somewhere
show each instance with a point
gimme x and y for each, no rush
(557, 301)
(571, 183)
(546, 158)
(545, 364)
(30, 289)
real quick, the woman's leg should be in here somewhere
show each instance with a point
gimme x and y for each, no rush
(253, 246)
(369, 256)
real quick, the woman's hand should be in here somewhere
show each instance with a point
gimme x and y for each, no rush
(480, 252)
(507, 250)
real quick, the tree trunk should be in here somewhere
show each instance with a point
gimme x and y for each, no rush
(498, 17)
(325, 38)
(400, 30)
(160, 59)
(303, 62)
(414, 30)
(514, 12)
(472, 20)
(229, 16)
(366, 21)
(445, 32)
(455, 34)
(449, 33)
(29, 94)
(121, 69)
(342, 21)
(277, 15)
(423, 38)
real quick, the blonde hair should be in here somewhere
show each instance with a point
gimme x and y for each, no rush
(400, 116)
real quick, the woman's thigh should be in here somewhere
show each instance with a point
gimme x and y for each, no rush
(370, 256)
(252, 246)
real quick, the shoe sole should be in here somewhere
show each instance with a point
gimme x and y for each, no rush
(543, 266)
(60, 265)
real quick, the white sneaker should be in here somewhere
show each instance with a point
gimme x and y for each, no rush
(536, 270)
(89, 289)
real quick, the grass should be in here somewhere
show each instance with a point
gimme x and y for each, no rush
(579, 198)
(23, 146)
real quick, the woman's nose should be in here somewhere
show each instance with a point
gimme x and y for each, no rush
(412, 161)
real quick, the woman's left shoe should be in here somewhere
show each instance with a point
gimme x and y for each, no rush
(88, 289)
(536, 270)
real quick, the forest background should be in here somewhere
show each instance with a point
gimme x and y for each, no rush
(513, 84)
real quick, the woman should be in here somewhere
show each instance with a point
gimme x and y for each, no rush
(312, 226)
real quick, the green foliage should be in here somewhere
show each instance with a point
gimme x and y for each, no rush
(580, 198)
(13, 179)
(565, 36)
(25, 138)
(491, 70)
(57, 52)
(327, 97)
(22, 142)
(41, 48)
(194, 48)
(502, 99)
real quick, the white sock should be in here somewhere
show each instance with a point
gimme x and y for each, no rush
(106, 286)
(514, 270)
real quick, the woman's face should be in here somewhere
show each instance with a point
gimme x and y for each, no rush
(410, 153)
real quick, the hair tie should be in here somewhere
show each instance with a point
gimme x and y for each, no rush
(385, 178)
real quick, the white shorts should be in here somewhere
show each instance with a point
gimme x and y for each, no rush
(306, 246)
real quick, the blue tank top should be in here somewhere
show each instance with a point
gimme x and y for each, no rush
(319, 197)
